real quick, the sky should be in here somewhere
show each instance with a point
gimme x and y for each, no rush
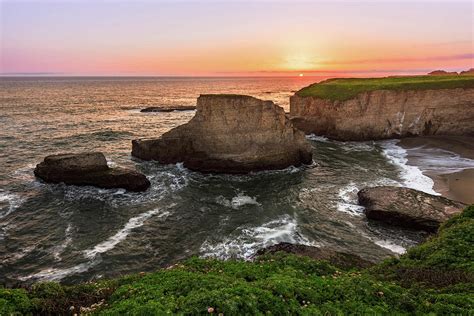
(234, 38)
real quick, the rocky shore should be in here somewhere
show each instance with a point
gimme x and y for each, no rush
(230, 134)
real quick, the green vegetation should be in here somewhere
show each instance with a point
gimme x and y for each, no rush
(348, 88)
(436, 277)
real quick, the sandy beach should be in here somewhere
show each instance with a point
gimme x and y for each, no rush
(453, 183)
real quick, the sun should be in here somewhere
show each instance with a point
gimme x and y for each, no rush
(301, 75)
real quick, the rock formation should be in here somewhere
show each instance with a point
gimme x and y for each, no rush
(442, 73)
(89, 169)
(168, 108)
(339, 259)
(382, 114)
(407, 207)
(469, 72)
(230, 134)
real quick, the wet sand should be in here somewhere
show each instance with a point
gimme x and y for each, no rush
(458, 185)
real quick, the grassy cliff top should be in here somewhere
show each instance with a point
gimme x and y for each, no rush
(435, 278)
(347, 88)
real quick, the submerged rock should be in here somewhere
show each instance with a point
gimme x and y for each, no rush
(169, 108)
(89, 169)
(230, 134)
(339, 259)
(408, 207)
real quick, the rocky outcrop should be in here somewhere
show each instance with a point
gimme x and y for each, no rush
(230, 134)
(442, 73)
(407, 207)
(168, 108)
(338, 259)
(89, 169)
(383, 114)
(469, 72)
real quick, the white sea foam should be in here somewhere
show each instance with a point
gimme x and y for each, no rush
(237, 201)
(387, 244)
(112, 241)
(439, 161)
(316, 138)
(12, 200)
(357, 146)
(56, 274)
(59, 249)
(348, 200)
(249, 240)
(412, 176)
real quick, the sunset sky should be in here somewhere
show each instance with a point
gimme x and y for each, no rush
(223, 38)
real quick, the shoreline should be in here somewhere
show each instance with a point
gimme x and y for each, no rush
(451, 182)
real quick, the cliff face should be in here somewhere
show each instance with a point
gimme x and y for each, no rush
(387, 114)
(230, 134)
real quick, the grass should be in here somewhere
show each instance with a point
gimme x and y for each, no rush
(436, 277)
(348, 88)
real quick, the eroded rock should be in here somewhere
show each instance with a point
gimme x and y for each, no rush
(230, 134)
(408, 207)
(89, 169)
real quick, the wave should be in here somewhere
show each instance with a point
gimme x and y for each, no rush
(317, 138)
(56, 274)
(387, 244)
(348, 201)
(439, 161)
(412, 176)
(9, 202)
(249, 240)
(237, 201)
(112, 241)
(59, 249)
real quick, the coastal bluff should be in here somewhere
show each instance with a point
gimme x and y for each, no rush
(381, 108)
(230, 134)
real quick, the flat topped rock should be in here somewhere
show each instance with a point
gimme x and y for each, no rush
(168, 108)
(89, 169)
(93, 161)
(408, 207)
(230, 134)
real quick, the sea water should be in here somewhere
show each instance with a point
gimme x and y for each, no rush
(71, 233)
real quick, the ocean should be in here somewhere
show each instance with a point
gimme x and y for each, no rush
(70, 233)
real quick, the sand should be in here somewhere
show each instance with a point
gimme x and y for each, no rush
(455, 185)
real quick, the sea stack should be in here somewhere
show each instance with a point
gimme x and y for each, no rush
(230, 134)
(89, 169)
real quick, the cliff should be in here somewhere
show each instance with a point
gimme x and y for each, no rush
(365, 109)
(230, 134)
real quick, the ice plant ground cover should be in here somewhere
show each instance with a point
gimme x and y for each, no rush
(440, 273)
(347, 88)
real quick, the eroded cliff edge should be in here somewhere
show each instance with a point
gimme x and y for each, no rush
(407, 110)
(230, 134)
